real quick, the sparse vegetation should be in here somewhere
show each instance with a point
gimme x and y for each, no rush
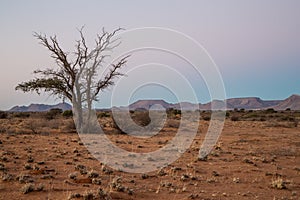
(3, 115)
(103, 114)
(53, 113)
(21, 114)
(40, 187)
(93, 174)
(29, 187)
(73, 175)
(74, 195)
(96, 181)
(75, 77)
(88, 195)
(27, 166)
(67, 113)
(206, 118)
(7, 177)
(234, 118)
(278, 183)
(56, 160)
(2, 167)
(24, 178)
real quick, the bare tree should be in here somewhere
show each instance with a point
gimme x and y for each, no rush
(75, 76)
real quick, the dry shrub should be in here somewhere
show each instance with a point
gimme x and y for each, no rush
(2, 167)
(74, 196)
(89, 195)
(67, 113)
(21, 114)
(53, 113)
(10, 126)
(35, 125)
(206, 118)
(234, 118)
(7, 177)
(103, 114)
(40, 187)
(54, 124)
(24, 178)
(3, 128)
(68, 126)
(287, 151)
(72, 175)
(116, 184)
(278, 183)
(141, 118)
(17, 130)
(93, 174)
(172, 123)
(285, 124)
(3, 115)
(29, 187)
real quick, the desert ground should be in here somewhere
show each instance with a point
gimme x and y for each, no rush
(257, 157)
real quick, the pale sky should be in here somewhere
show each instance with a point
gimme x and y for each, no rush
(255, 44)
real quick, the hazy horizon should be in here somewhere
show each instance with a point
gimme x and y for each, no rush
(58, 102)
(255, 44)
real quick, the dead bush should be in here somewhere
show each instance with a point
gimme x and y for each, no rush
(3, 115)
(171, 123)
(278, 183)
(141, 118)
(29, 187)
(53, 113)
(21, 114)
(54, 124)
(234, 118)
(67, 113)
(68, 126)
(34, 125)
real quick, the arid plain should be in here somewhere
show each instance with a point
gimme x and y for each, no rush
(256, 157)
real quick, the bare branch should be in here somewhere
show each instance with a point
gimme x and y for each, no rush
(76, 74)
(113, 73)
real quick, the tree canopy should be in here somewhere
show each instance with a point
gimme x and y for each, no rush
(75, 75)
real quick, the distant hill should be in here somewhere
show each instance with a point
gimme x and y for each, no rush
(248, 103)
(40, 107)
(217, 104)
(293, 102)
(147, 104)
(185, 106)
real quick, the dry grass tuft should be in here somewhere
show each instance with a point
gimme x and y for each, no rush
(29, 187)
(278, 183)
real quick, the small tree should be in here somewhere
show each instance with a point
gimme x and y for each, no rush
(75, 76)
